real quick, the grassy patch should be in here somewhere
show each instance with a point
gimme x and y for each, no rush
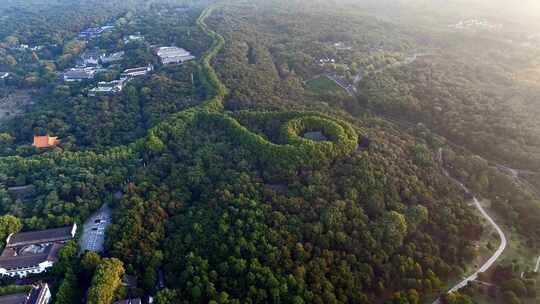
(323, 85)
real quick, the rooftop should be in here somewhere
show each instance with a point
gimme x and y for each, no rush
(95, 53)
(134, 70)
(171, 51)
(138, 71)
(45, 141)
(80, 73)
(131, 38)
(113, 57)
(114, 86)
(41, 236)
(29, 249)
(173, 54)
(29, 256)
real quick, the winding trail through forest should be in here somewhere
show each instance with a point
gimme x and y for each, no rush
(496, 254)
(222, 91)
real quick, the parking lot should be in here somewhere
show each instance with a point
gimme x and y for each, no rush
(93, 234)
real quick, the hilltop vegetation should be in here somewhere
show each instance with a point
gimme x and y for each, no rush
(218, 193)
(239, 206)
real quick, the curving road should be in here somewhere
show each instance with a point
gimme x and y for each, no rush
(495, 255)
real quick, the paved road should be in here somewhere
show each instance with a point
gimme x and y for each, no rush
(93, 235)
(495, 255)
(349, 88)
(537, 264)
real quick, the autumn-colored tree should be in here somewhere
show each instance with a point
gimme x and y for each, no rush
(106, 281)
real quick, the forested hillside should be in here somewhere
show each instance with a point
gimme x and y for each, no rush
(232, 180)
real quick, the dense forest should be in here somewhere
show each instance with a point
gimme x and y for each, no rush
(244, 185)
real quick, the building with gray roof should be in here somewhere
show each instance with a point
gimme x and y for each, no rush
(33, 252)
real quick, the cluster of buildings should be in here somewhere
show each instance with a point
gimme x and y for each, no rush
(96, 57)
(89, 65)
(29, 253)
(91, 61)
(34, 252)
(116, 86)
(167, 55)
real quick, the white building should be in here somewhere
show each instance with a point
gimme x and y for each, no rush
(4, 75)
(80, 74)
(173, 54)
(107, 88)
(92, 57)
(136, 72)
(133, 38)
(33, 252)
(114, 57)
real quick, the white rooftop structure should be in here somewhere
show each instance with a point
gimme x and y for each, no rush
(135, 72)
(114, 57)
(111, 87)
(173, 54)
(4, 75)
(92, 57)
(131, 38)
(79, 74)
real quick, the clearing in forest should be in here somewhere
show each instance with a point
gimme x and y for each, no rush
(323, 85)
